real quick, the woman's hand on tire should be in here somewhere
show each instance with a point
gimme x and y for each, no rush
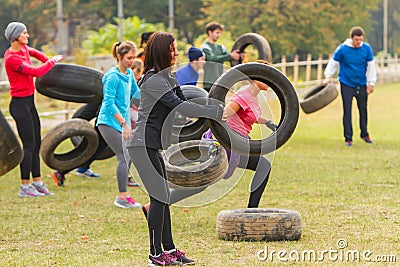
(126, 131)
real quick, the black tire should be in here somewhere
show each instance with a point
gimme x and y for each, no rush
(10, 150)
(256, 224)
(286, 94)
(195, 127)
(318, 97)
(206, 171)
(77, 156)
(257, 41)
(76, 140)
(72, 83)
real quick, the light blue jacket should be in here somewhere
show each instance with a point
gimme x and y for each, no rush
(118, 90)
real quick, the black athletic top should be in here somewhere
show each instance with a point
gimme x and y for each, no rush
(160, 97)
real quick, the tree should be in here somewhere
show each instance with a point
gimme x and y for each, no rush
(291, 26)
(102, 41)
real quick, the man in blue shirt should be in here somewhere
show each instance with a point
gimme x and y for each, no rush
(357, 77)
(189, 74)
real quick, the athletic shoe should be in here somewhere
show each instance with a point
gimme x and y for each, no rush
(348, 143)
(132, 183)
(58, 178)
(367, 139)
(164, 259)
(86, 173)
(42, 189)
(179, 256)
(145, 209)
(128, 202)
(29, 191)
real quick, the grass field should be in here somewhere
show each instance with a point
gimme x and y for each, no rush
(342, 193)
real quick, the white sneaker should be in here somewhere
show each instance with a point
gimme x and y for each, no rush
(128, 202)
(29, 191)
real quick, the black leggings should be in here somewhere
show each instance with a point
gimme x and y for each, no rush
(150, 166)
(24, 112)
(261, 167)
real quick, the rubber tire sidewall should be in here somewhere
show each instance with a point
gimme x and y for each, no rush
(11, 153)
(256, 40)
(318, 97)
(203, 174)
(259, 224)
(286, 94)
(75, 157)
(71, 83)
(76, 140)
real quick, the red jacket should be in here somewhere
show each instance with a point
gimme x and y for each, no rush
(20, 71)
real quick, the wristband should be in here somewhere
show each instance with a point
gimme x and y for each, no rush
(123, 123)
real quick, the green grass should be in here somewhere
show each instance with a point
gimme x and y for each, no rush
(341, 193)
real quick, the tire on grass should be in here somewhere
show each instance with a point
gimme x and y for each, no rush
(78, 155)
(72, 83)
(286, 94)
(194, 128)
(318, 97)
(257, 41)
(259, 224)
(10, 150)
(76, 140)
(189, 165)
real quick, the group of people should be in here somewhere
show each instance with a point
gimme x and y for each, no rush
(160, 94)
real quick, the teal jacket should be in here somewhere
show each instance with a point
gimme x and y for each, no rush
(118, 90)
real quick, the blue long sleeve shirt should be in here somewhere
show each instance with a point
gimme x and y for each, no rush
(118, 90)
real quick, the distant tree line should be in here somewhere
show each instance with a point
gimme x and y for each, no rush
(291, 26)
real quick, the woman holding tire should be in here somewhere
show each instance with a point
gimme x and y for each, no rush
(21, 73)
(241, 113)
(160, 97)
(119, 87)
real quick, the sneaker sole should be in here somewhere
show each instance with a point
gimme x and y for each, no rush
(135, 206)
(84, 175)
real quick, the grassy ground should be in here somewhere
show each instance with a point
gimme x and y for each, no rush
(341, 193)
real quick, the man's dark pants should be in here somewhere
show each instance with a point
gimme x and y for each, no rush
(360, 93)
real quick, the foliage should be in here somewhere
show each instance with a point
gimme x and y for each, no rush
(101, 42)
(293, 27)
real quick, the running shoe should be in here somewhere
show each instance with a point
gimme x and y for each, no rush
(179, 256)
(58, 178)
(132, 183)
(86, 173)
(42, 189)
(127, 202)
(367, 139)
(164, 259)
(29, 191)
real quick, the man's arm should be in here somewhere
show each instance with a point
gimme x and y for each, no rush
(330, 69)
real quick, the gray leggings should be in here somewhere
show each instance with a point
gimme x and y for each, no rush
(117, 144)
